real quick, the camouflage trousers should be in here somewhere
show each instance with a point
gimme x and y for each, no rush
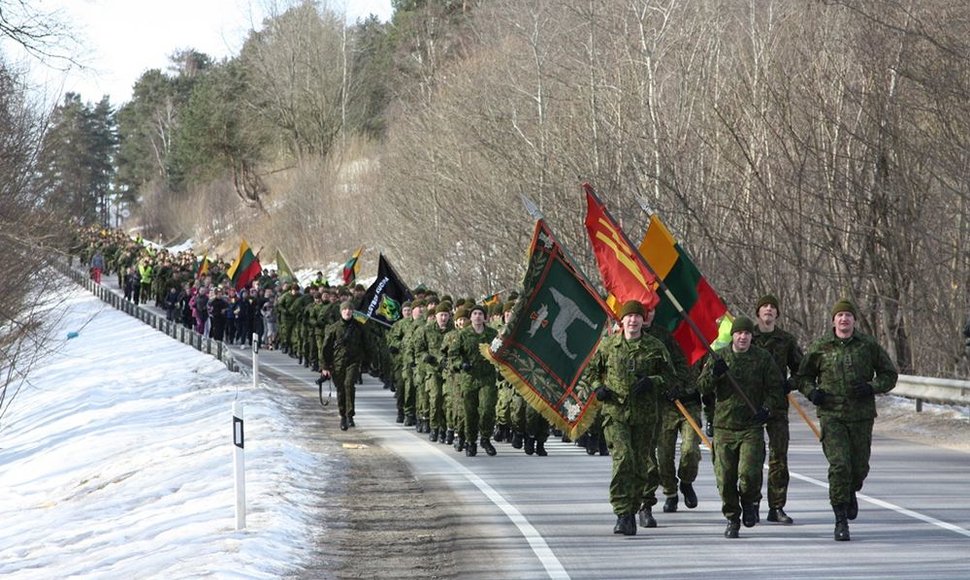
(410, 395)
(777, 430)
(345, 383)
(528, 421)
(454, 406)
(436, 400)
(673, 425)
(847, 446)
(503, 407)
(479, 404)
(632, 447)
(739, 458)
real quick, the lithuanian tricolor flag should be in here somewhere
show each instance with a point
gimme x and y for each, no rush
(684, 281)
(351, 267)
(245, 268)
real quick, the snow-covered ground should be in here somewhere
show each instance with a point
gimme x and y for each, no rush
(116, 461)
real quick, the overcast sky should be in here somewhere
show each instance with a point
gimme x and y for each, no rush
(123, 38)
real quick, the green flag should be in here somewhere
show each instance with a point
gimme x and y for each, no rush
(554, 331)
(285, 273)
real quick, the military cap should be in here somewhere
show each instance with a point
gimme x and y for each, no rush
(632, 307)
(765, 300)
(845, 305)
(462, 312)
(742, 324)
(443, 307)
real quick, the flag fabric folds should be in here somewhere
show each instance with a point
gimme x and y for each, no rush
(283, 268)
(492, 300)
(383, 300)
(556, 325)
(624, 273)
(203, 268)
(245, 268)
(352, 267)
(684, 281)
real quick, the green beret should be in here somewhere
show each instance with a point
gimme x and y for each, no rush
(767, 299)
(632, 307)
(406, 304)
(742, 324)
(845, 305)
(460, 302)
(443, 307)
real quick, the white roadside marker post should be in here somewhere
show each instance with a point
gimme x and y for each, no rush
(239, 464)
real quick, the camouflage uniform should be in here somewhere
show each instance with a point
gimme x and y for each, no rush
(427, 352)
(630, 421)
(454, 405)
(739, 441)
(834, 365)
(784, 350)
(344, 348)
(395, 337)
(476, 382)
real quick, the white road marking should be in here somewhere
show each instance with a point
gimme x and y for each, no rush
(885, 504)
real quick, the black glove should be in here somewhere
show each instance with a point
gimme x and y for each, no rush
(604, 394)
(709, 428)
(466, 366)
(761, 417)
(430, 359)
(673, 394)
(393, 349)
(817, 396)
(861, 390)
(720, 367)
(642, 386)
(788, 385)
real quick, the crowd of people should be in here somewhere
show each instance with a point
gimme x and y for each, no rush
(649, 397)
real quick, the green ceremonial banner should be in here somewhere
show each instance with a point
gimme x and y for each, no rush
(555, 328)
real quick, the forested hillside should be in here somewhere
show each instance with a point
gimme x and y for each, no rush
(809, 149)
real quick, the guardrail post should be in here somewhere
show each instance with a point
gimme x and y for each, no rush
(919, 405)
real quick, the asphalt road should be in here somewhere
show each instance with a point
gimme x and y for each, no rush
(536, 517)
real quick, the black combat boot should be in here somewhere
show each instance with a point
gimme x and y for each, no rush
(778, 515)
(646, 518)
(841, 523)
(409, 421)
(449, 436)
(400, 417)
(471, 450)
(350, 421)
(732, 529)
(530, 445)
(488, 447)
(541, 448)
(343, 423)
(604, 448)
(629, 527)
(499, 434)
(460, 444)
(690, 496)
(749, 514)
(852, 510)
(670, 505)
(517, 440)
(434, 436)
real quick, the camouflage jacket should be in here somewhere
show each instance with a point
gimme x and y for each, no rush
(466, 350)
(784, 350)
(755, 372)
(619, 363)
(343, 344)
(833, 365)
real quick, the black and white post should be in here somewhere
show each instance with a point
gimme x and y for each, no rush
(239, 463)
(255, 360)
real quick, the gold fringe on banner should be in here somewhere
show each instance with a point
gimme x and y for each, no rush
(538, 403)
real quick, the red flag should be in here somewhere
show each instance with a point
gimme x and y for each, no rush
(624, 272)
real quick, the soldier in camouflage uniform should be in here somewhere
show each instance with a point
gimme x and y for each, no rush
(841, 374)
(739, 435)
(408, 365)
(284, 317)
(673, 424)
(395, 336)
(454, 405)
(426, 344)
(784, 349)
(627, 372)
(476, 381)
(506, 407)
(344, 348)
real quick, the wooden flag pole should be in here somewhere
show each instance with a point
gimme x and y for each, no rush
(808, 420)
(693, 424)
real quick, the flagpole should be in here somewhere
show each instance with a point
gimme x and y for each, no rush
(536, 213)
(381, 322)
(673, 300)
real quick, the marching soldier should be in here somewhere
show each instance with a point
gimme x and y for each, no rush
(344, 348)
(476, 381)
(841, 374)
(627, 372)
(739, 437)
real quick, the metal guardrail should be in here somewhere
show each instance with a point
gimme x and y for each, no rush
(172, 328)
(948, 391)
